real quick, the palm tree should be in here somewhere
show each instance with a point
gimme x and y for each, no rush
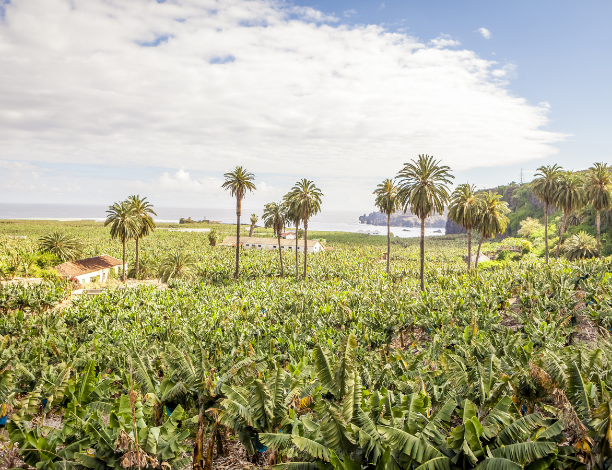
(544, 187)
(124, 225)
(274, 216)
(307, 199)
(464, 210)
(238, 182)
(292, 215)
(423, 189)
(62, 245)
(570, 197)
(177, 265)
(254, 219)
(580, 246)
(143, 210)
(599, 191)
(388, 202)
(492, 218)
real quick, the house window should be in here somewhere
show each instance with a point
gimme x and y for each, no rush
(258, 246)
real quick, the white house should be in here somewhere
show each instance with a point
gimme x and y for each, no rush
(288, 235)
(96, 269)
(272, 244)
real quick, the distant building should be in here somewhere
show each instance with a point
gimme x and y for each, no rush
(96, 269)
(272, 244)
(288, 235)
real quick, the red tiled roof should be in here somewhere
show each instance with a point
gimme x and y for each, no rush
(87, 265)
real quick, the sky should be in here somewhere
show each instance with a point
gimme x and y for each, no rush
(100, 99)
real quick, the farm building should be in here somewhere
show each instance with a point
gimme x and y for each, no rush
(288, 235)
(96, 269)
(272, 244)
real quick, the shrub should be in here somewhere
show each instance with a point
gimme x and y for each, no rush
(213, 237)
(531, 228)
(526, 247)
(504, 255)
(580, 246)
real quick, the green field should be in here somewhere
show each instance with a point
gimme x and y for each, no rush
(506, 368)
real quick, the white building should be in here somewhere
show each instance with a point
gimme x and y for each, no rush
(272, 244)
(96, 269)
(288, 235)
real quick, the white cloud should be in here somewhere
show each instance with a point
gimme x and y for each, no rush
(444, 40)
(349, 13)
(506, 72)
(205, 85)
(382, 5)
(485, 32)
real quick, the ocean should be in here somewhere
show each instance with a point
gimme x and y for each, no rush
(328, 221)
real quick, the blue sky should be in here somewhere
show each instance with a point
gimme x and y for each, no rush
(99, 100)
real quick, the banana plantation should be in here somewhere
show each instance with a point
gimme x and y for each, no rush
(509, 368)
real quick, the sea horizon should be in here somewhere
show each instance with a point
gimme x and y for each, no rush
(326, 221)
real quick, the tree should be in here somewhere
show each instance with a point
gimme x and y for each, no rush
(492, 218)
(123, 225)
(464, 211)
(599, 191)
(388, 202)
(62, 245)
(143, 210)
(307, 199)
(254, 219)
(238, 182)
(274, 216)
(569, 197)
(545, 187)
(177, 265)
(580, 246)
(292, 215)
(423, 188)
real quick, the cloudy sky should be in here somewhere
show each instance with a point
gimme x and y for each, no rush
(100, 99)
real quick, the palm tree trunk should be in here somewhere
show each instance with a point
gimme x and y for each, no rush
(478, 253)
(598, 232)
(123, 267)
(297, 262)
(546, 229)
(198, 445)
(251, 230)
(422, 254)
(238, 210)
(389, 243)
(469, 249)
(280, 254)
(561, 231)
(136, 267)
(209, 452)
(305, 246)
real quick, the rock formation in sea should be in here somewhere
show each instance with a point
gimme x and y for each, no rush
(403, 219)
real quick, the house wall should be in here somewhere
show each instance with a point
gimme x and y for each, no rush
(311, 249)
(102, 275)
